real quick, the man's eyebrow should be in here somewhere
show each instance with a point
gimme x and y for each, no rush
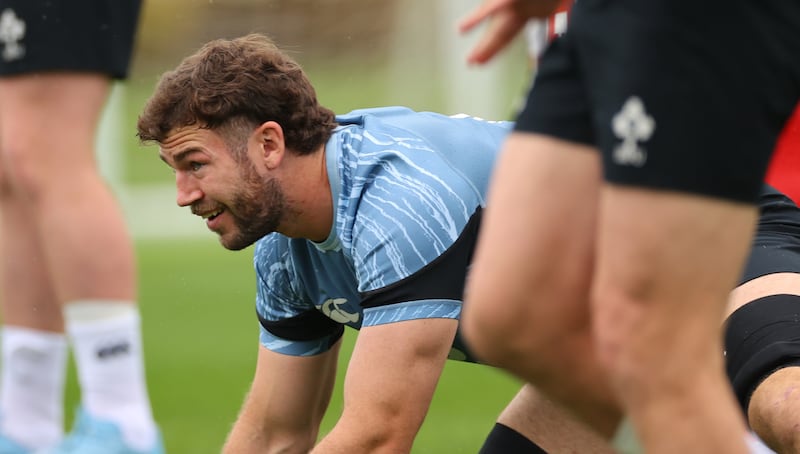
(181, 155)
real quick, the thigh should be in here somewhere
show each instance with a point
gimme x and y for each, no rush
(542, 205)
(665, 264)
(534, 255)
(763, 363)
(50, 119)
(761, 340)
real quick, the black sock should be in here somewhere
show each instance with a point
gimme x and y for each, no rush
(505, 440)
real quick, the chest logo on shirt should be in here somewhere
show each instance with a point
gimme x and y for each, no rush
(632, 125)
(332, 308)
(12, 30)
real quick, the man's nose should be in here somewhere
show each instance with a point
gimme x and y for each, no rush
(188, 192)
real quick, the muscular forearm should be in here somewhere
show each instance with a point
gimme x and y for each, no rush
(286, 403)
(386, 397)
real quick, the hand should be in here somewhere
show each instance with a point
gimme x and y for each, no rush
(506, 19)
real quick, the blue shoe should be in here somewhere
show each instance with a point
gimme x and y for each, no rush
(94, 436)
(9, 446)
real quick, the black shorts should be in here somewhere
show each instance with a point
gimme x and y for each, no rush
(776, 246)
(64, 35)
(676, 94)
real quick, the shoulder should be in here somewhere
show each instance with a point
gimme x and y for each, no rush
(271, 245)
(270, 251)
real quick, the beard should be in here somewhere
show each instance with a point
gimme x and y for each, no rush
(257, 210)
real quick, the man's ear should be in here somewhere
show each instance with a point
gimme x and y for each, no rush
(271, 146)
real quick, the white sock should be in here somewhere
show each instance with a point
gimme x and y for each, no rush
(32, 386)
(107, 346)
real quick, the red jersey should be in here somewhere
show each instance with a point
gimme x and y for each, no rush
(539, 32)
(784, 169)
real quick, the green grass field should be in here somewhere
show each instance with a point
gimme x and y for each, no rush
(201, 339)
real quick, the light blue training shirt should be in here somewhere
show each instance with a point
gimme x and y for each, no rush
(404, 185)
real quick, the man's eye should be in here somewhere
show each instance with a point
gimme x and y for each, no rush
(195, 166)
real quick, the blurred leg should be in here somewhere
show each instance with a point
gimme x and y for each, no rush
(527, 306)
(33, 344)
(666, 263)
(48, 134)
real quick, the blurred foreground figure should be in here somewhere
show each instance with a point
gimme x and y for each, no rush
(761, 343)
(67, 259)
(624, 204)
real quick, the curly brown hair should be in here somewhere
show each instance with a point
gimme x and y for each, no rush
(229, 84)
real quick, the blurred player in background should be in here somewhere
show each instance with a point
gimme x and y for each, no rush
(67, 259)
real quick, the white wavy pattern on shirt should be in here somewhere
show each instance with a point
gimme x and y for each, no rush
(428, 203)
(277, 277)
(413, 310)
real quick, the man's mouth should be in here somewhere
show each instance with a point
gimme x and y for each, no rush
(210, 215)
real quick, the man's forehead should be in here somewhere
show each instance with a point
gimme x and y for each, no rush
(186, 135)
(182, 140)
(183, 134)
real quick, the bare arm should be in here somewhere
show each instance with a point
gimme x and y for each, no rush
(506, 18)
(286, 403)
(390, 381)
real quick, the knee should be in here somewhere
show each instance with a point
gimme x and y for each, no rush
(491, 334)
(21, 175)
(5, 184)
(774, 410)
(628, 349)
(614, 346)
(522, 340)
